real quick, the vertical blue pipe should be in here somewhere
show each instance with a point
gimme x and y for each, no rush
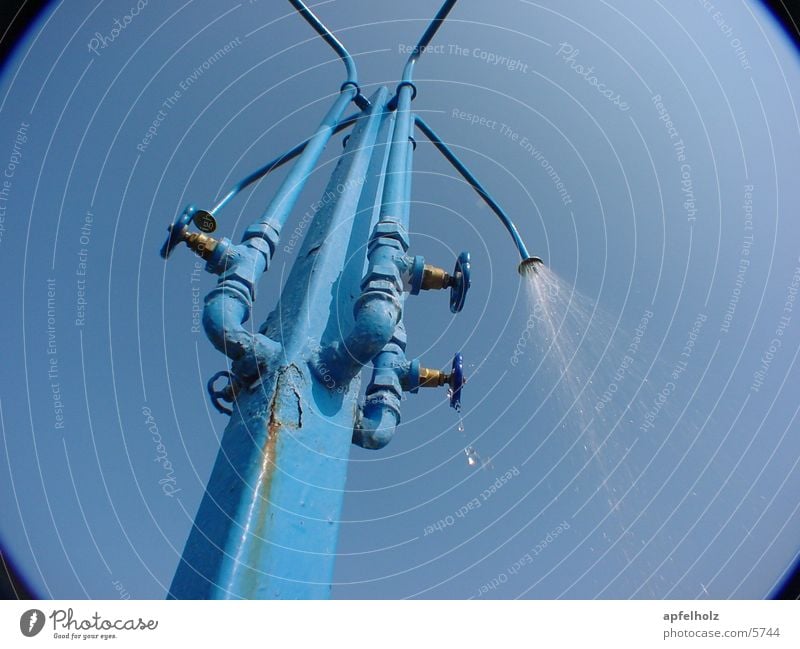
(274, 218)
(406, 211)
(378, 419)
(268, 524)
(394, 192)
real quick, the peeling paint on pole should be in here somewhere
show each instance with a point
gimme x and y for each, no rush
(268, 524)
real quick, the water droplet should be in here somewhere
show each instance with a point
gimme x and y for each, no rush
(472, 456)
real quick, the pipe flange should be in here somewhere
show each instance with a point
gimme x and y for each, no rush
(416, 273)
(405, 83)
(353, 84)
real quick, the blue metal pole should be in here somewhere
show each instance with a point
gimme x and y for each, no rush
(268, 524)
(379, 308)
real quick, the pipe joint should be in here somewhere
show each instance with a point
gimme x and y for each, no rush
(376, 422)
(378, 418)
(386, 379)
(377, 313)
(389, 228)
(227, 308)
(384, 279)
(360, 100)
(244, 265)
(267, 233)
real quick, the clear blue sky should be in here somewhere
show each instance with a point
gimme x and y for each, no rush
(703, 503)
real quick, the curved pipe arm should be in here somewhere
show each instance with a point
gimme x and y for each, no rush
(476, 185)
(226, 310)
(278, 162)
(376, 315)
(336, 44)
(240, 267)
(376, 424)
(427, 37)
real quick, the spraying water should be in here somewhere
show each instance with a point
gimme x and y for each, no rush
(571, 339)
(598, 372)
(607, 392)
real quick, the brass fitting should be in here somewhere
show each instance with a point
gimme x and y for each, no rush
(429, 378)
(434, 277)
(201, 244)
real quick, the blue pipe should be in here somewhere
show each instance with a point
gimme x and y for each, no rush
(228, 306)
(476, 185)
(433, 27)
(336, 44)
(269, 226)
(352, 80)
(406, 211)
(379, 308)
(271, 166)
(268, 523)
(394, 188)
(377, 420)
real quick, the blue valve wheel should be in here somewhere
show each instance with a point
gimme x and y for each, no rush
(177, 231)
(456, 381)
(461, 273)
